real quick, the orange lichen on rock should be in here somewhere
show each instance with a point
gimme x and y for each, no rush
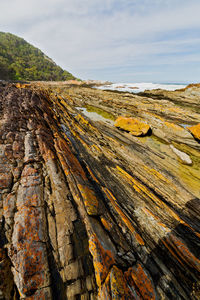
(106, 224)
(5, 180)
(45, 149)
(117, 287)
(118, 284)
(195, 130)
(156, 174)
(134, 126)
(28, 250)
(137, 276)
(22, 85)
(104, 289)
(181, 251)
(103, 259)
(72, 162)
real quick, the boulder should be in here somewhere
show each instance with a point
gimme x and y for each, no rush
(195, 130)
(134, 126)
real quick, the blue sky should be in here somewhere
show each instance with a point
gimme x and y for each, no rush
(116, 40)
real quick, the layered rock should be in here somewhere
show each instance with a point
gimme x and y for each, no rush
(91, 212)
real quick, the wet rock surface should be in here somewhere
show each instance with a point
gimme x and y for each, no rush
(91, 212)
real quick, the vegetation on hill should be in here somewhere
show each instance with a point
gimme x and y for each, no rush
(21, 61)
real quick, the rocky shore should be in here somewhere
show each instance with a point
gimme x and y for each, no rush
(89, 210)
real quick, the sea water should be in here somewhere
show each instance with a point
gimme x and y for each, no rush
(141, 87)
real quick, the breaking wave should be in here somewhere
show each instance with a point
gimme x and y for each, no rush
(141, 87)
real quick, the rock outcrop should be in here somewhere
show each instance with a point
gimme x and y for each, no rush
(134, 126)
(91, 212)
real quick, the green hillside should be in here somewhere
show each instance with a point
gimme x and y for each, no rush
(21, 61)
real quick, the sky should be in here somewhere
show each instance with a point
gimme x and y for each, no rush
(115, 40)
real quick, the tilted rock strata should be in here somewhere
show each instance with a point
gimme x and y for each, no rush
(167, 113)
(85, 217)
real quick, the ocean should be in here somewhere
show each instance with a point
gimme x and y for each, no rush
(141, 87)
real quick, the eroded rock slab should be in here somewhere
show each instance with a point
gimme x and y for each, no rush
(91, 212)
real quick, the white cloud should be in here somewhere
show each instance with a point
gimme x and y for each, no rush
(82, 35)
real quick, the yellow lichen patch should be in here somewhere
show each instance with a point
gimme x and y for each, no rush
(90, 200)
(122, 215)
(134, 126)
(139, 278)
(22, 85)
(71, 165)
(63, 163)
(79, 128)
(92, 175)
(118, 285)
(68, 98)
(64, 103)
(156, 174)
(140, 188)
(103, 259)
(154, 115)
(93, 148)
(104, 290)
(106, 224)
(176, 110)
(96, 148)
(195, 130)
(83, 121)
(174, 126)
(76, 135)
